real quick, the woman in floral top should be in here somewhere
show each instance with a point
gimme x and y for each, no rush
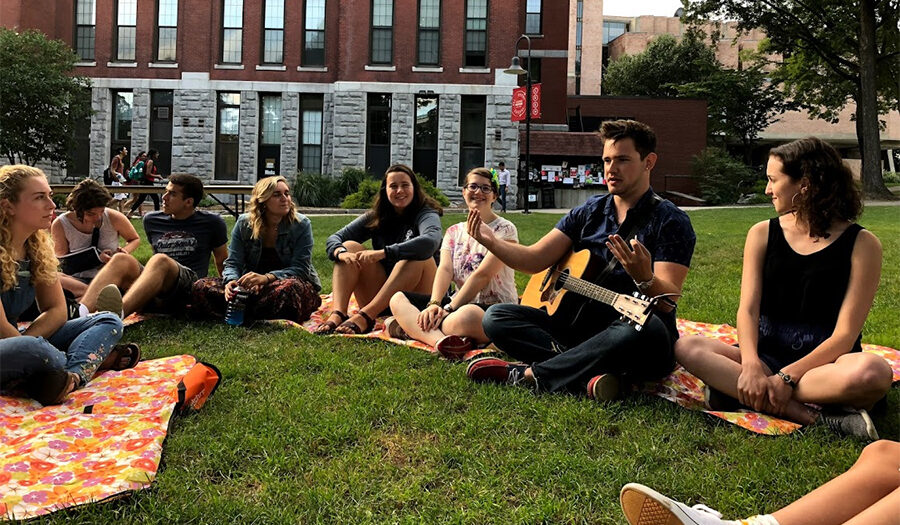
(452, 324)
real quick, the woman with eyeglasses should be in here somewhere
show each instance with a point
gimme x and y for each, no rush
(404, 226)
(452, 324)
(270, 257)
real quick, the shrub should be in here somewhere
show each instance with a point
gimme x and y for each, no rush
(364, 196)
(350, 178)
(368, 188)
(316, 190)
(720, 176)
(891, 177)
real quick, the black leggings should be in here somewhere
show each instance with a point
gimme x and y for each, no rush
(142, 197)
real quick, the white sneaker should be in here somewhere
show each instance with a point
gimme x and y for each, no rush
(644, 506)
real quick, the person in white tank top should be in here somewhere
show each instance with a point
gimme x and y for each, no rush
(73, 231)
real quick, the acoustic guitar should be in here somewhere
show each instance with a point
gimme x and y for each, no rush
(551, 291)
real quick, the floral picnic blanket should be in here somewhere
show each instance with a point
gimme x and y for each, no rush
(105, 440)
(679, 387)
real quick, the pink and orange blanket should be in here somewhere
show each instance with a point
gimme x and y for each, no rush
(105, 440)
(679, 387)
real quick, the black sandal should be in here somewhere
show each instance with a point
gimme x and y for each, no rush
(348, 327)
(328, 327)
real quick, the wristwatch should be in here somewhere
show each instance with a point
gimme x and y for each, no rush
(643, 286)
(449, 308)
(786, 378)
(340, 250)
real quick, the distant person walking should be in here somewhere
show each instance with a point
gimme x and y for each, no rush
(150, 177)
(115, 176)
(503, 177)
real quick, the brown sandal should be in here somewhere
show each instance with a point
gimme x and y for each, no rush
(348, 327)
(328, 327)
(122, 357)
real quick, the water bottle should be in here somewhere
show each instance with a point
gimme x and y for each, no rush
(234, 312)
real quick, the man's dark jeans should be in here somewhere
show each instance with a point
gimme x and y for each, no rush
(564, 357)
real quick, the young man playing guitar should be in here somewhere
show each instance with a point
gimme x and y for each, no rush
(650, 243)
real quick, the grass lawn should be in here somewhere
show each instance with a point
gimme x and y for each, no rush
(307, 429)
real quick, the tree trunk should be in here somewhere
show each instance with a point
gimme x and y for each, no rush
(867, 129)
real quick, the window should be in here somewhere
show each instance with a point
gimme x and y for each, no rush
(123, 102)
(611, 31)
(476, 33)
(311, 134)
(471, 140)
(269, 155)
(85, 20)
(273, 32)
(429, 32)
(227, 130)
(382, 44)
(126, 29)
(425, 132)
(533, 17)
(378, 133)
(579, 24)
(166, 30)
(232, 31)
(314, 34)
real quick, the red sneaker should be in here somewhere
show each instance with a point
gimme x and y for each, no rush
(604, 387)
(493, 370)
(453, 347)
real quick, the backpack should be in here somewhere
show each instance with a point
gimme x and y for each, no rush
(196, 387)
(137, 171)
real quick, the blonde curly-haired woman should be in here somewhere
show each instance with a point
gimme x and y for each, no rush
(270, 255)
(52, 357)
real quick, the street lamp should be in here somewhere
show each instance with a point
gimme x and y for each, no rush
(516, 69)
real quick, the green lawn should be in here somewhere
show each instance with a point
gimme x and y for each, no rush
(307, 429)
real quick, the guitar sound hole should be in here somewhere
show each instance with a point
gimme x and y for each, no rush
(558, 283)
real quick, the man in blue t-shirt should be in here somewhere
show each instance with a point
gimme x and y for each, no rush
(183, 238)
(591, 348)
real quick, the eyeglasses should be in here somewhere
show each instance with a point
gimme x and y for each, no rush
(485, 188)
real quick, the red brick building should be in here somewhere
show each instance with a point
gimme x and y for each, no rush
(235, 89)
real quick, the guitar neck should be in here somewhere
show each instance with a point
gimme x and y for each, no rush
(587, 289)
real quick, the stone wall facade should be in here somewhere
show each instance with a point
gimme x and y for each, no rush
(101, 129)
(290, 133)
(348, 136)
(140, 121)
(193, 132)
(449, 107)
(403, 119)
(249, 138)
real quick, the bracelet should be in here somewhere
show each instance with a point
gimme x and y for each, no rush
(273, 278)
(787, 379)
(433, 303)
(643, 286)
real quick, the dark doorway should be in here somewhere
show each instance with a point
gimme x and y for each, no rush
(269, 154)
(161, 130)
(378, 133)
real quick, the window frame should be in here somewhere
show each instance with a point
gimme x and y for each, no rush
(217, 174)
(116, 41)
(373, 28)
(265, 29)
(540, 17)
(223, 28)
(93, 31)
(304, 58)
(466, 31)
(156, 32)
(319, 100)
(435, 30)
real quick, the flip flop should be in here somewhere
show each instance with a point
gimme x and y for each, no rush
(122, 357)
(328, 327)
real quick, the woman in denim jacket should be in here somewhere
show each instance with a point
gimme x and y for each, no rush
(270, 256)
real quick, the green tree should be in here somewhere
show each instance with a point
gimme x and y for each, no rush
(658, 71)
(741, 103)
(835, 51)
(40, 99)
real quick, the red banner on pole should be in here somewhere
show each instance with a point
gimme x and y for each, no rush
(519, 105)
(535, 101)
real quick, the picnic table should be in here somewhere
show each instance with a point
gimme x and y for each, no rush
(240, 191)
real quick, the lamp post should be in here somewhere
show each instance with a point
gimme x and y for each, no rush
(516, 69)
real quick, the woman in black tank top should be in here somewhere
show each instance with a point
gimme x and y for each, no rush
(808, 282)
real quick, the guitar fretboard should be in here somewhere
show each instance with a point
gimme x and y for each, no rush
(587, 288)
